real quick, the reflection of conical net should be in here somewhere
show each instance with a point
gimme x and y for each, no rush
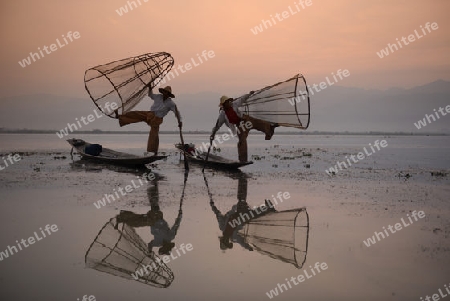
(124, 82)
(281, 235)
(122, 252)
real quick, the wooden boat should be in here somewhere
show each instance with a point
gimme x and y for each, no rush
(113, 157)
(214, 161)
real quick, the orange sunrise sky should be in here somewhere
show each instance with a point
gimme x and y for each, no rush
(317, 40)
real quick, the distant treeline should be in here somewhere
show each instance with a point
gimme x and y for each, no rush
(30, 131)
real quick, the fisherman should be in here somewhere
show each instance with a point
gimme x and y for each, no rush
(232, 117)
(162, 104)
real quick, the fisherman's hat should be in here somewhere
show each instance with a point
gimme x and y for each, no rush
(167, 90)
(223, 99)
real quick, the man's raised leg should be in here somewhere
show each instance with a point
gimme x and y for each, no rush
(262, 126)
(132, 117)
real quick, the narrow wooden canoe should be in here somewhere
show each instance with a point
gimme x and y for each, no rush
(214, 161)
(113, 157)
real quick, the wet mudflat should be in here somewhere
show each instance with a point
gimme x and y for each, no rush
(48, 187)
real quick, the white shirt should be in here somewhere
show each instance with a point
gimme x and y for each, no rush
(161, 107)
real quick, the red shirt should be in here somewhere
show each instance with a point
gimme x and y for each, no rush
(232, 116)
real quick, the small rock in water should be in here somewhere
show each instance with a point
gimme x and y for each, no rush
(436, 230)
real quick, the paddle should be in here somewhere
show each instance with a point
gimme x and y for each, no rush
(207, 154)
(186, 174)
(209, 147)
(207, 188)
(186, 165)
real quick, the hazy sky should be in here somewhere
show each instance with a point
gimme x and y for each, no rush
(316, 41)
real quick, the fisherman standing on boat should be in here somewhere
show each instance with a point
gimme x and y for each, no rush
(162, 104)
(232, 117)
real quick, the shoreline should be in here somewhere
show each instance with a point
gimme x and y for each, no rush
(293, 133)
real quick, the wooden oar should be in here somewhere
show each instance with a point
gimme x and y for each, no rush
(186, 165)
(209, 147)
(186, 174)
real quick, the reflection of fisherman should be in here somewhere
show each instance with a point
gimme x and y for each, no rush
(163, 234)
(232, 117)
(239, 215)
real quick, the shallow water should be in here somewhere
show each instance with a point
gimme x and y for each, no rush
(49, 187)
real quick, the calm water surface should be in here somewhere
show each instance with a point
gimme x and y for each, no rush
(42, 189)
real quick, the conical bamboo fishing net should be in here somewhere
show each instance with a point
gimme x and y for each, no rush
(124, 82)
(285, 103)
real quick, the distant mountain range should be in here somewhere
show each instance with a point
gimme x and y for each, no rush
(335, 109)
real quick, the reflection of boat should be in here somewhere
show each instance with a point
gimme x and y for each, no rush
(82, 165)
(112, 157)
(214, 161)
(118, 250)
